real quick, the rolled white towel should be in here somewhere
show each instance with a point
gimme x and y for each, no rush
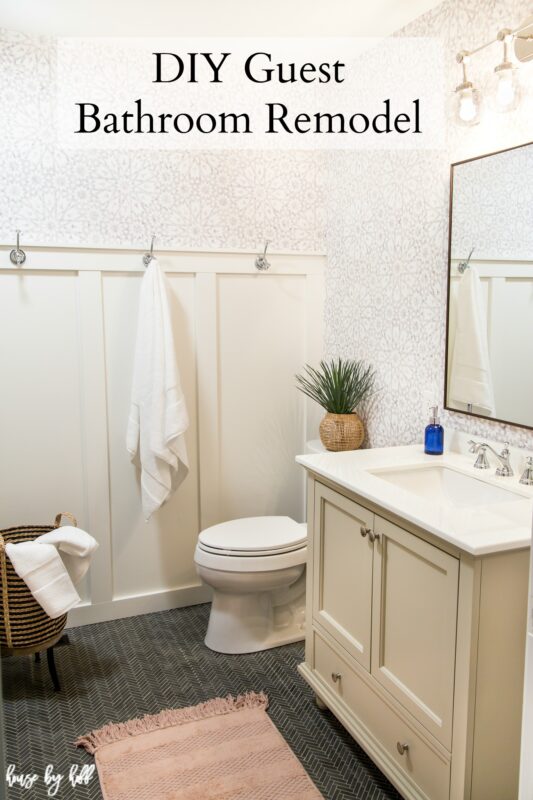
(52, 564)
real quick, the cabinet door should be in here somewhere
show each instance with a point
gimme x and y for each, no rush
(415, 620)
(343, 558)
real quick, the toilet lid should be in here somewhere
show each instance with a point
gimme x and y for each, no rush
(254, 536)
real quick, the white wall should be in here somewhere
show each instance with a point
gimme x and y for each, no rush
(207, 18)
(67, 333)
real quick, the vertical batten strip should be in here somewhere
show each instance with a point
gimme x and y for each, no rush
(207, 378)
(95, 431)
(314, 351)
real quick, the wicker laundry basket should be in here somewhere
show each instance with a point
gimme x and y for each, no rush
(25, 627)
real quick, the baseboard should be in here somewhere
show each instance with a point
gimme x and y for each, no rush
(121, 607)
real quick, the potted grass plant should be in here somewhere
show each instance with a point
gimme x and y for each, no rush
(339, 386)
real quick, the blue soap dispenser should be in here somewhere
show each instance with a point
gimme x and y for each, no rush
(434, 435)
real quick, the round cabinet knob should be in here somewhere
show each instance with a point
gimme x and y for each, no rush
(365, 531)
(402, 748)
(335, 677)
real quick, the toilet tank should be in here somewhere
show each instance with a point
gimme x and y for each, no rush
(314, 446)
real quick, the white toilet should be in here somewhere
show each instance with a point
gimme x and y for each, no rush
(256, 568)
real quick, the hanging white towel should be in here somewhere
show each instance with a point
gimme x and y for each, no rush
(158, 414)
(52, 564)
(470, 373)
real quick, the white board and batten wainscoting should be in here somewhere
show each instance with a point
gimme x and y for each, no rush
(68, 323)
(507, 290)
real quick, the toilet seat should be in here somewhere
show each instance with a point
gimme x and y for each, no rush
(252, 544)
(225, 562)
(254, 537)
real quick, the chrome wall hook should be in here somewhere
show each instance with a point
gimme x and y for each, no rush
(149, 256)
(17, 256)
(261, 262)
(463, 265)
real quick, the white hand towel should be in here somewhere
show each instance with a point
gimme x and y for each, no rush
(470, 373)
(158, 415)
(51, 565)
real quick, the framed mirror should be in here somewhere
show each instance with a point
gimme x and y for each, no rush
(489, 333)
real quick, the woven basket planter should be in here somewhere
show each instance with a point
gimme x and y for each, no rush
(25, 627)
(342, 432)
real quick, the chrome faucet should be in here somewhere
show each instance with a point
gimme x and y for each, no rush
(504, 470)
(527, 475)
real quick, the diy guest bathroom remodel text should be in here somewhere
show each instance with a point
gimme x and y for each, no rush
(259, 68)
(282, 93)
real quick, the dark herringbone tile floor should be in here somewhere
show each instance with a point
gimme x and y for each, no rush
(117, 670)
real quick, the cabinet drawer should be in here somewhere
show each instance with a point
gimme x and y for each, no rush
(429, 770)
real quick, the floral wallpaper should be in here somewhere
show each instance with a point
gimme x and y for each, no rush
(387, 242)
(492, 207)
(227, 200)
(382, 216)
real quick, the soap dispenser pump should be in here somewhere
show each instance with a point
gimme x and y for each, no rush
(434, 435)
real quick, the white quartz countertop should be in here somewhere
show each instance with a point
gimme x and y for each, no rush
(477, 528)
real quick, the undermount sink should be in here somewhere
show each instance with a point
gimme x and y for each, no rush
(469, 508)
(443, 485)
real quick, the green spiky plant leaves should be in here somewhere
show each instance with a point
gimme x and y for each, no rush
(339, 385)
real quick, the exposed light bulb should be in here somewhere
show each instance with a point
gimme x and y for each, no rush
(466, 99)
(467, 108)
(467, 105)
(504, 90)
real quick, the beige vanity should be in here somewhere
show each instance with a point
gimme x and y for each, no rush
(416, 609)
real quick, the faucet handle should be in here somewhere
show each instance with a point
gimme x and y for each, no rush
(472, 446)
(482, 462)
(505, 469)
(527, 475)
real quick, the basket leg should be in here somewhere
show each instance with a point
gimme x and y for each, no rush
(52, 669)
(37, 658)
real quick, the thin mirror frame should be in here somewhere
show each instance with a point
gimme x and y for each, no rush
(450, 218)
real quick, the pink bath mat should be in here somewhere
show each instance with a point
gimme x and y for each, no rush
(225, 749)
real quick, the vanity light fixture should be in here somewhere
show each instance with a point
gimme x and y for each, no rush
(467, 99)
(505, 86)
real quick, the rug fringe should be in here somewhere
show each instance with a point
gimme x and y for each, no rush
(114, 732)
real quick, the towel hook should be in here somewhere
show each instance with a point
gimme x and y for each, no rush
(149, 256)
(463, 265)
(17, 255)
(261, 262)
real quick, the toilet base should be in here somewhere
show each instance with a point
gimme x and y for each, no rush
(248, 623)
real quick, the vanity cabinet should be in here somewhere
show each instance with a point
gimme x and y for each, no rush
(417, 648)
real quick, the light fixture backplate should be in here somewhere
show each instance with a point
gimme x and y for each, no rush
(523, 48)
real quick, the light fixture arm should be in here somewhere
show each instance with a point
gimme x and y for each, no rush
(505, 36)
(463, 57)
